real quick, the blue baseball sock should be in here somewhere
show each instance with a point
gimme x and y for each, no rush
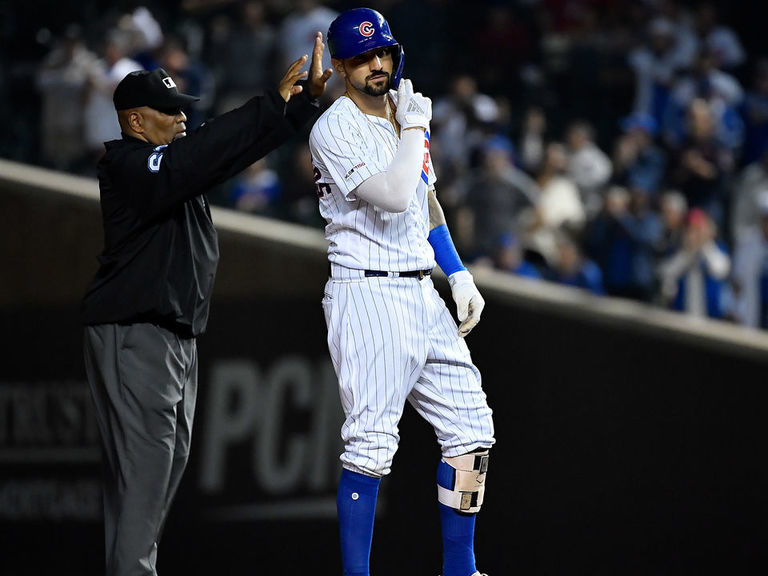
(458, 531)
(356, 505)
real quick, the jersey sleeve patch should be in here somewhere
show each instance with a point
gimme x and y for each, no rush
(353, 170)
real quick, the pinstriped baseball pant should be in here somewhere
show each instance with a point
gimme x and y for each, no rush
(392, 340)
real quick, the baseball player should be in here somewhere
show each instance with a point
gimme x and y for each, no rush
(390, 335)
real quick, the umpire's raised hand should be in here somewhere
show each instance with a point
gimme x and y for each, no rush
(317, 77)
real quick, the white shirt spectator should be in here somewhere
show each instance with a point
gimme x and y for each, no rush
(749, 259)
(297, 33)
(101, 123)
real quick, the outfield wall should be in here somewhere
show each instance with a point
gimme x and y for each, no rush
(629, 439)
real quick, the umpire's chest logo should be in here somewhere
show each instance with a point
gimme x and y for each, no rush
(154, 160)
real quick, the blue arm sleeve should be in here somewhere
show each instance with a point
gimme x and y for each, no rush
(445, 252)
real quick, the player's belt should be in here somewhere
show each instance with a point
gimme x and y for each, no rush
(420, 274)
(343, 273)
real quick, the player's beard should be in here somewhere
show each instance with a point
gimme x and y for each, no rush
(377, 90)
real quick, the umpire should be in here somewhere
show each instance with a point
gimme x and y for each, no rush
(150, 297)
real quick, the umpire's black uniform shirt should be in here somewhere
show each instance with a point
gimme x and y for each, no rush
(161, 249)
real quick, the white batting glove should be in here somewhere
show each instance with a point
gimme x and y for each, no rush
(413, 110)
(469, 302)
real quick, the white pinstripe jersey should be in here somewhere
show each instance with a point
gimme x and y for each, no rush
(348, 147)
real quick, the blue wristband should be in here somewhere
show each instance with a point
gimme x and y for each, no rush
(445, 252)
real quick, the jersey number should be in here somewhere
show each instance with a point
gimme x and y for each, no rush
(321, 189)
(154, 161)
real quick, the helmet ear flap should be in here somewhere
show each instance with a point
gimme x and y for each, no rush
(398, 73)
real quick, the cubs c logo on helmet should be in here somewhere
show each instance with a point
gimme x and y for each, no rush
(367, 29)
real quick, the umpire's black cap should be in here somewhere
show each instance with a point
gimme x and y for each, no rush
(155, 89)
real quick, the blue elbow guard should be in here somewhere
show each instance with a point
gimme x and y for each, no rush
(445, 252)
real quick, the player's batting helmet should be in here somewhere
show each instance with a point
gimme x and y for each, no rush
(359, 30)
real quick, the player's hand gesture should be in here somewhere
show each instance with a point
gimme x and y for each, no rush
(469, 302)
(413, 110)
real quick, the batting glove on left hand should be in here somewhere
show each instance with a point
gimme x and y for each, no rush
(469, 302)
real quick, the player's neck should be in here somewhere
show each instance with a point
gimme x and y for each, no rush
(373, 105)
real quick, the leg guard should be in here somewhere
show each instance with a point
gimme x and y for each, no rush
(461, 481)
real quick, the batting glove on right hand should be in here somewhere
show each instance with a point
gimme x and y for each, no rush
(413, 110)
(469, 302)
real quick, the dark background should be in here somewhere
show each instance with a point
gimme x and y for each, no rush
(621, 448)
(626, 453)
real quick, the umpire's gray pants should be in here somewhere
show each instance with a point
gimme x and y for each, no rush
(143, 379)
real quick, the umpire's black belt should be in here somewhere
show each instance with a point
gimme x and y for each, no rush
(339, 272)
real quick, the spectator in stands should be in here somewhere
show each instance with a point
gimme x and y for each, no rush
(655, 64)
(745, 194)
(190, 76)
(243, 54)
(719, 39)
(588, 166)
(461, 121)
(572, 268)
(673, 210)
(637, 161)
(622, 239)
(721, 91)
(755, 113)
(62, 80)
(508, 256)
(257, 190)
(297, 32)
(100, 121)
(496, 193)
(694, 280)
(681, 17)
(559, 207)
(702, 165)
(532, 139)
(750, 270)
(145, 33)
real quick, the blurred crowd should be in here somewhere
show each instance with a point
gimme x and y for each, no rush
(618, 146)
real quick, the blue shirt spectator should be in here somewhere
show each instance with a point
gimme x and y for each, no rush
(574, 269)
(623, 239)
(638, 162)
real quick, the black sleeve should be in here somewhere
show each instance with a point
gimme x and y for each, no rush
(219, 149)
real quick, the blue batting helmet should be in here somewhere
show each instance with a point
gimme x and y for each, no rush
(360, 30)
